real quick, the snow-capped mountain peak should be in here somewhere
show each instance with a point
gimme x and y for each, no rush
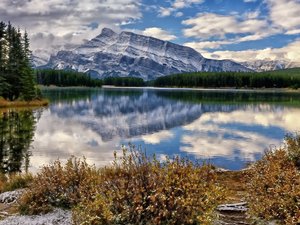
(131, 54)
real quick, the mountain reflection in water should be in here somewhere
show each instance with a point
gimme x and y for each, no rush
(229, 129)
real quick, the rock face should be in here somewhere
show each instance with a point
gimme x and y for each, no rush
(130, 54)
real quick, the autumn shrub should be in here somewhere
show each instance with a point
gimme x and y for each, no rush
(274, 185)
(293, 148)
(56, 185)
(138, 189)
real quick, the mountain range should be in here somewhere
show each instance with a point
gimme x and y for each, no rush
(130, 54)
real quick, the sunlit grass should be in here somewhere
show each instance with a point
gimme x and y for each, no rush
(34, 103)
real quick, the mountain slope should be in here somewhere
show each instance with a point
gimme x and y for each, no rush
(130, 54)
(269, 65)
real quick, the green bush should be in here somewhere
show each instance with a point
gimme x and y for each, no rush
(141, 190)
(274, 185)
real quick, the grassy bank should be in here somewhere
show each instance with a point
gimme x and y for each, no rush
(137, 189)
(18, 103)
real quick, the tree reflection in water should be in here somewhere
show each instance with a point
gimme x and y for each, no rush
(17, 128)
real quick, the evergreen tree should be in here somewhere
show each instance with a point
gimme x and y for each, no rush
(4, 86)
(17, 79)
(26, 72)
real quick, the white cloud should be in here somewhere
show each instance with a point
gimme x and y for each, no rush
(68, 20)
(163, 12)
(208, 25)
(175, 6)
(179, 4)
(285, 13)
(288, 53)
(293, 32)
(158, 33)
(207, 44)
(179, 14)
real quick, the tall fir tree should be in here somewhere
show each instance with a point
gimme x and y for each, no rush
(4, 86)
(26, 72)
(16, 75)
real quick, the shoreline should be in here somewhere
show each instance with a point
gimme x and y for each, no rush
(22, 104)
(223, 89)
(258, 90)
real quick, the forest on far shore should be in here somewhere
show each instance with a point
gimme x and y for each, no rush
(289, 78)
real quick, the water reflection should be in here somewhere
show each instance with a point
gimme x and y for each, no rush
(228, 128)
(17, 129)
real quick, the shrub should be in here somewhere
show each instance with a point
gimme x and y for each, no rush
(274, 187)
(141, 190)
(293, 148)
(56, 186)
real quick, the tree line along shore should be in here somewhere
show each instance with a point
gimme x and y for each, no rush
(289, 78)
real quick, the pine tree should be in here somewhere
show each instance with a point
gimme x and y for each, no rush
(4, 86)
(26, 72)
(16, 75)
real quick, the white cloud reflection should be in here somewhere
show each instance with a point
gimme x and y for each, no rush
(57, 138)
(158, 137)
(222, 134)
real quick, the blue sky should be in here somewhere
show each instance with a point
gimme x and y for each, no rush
(235, 29)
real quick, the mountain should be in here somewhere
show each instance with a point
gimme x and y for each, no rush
(130, 54)
(268, 65)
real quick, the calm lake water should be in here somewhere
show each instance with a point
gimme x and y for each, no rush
(229, 129)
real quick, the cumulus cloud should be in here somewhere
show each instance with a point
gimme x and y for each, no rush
(158, 33)
(177, 5)
(207, 44)
(288, 53)
(285, 14)
(68, 20)
(208, 25)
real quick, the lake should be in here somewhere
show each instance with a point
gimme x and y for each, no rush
(227, 128)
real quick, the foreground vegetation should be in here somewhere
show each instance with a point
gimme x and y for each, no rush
(134, 190)
(276, 79)
(137, 189)
(274, 184)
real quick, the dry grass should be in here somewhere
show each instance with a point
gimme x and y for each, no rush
(35, 103)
